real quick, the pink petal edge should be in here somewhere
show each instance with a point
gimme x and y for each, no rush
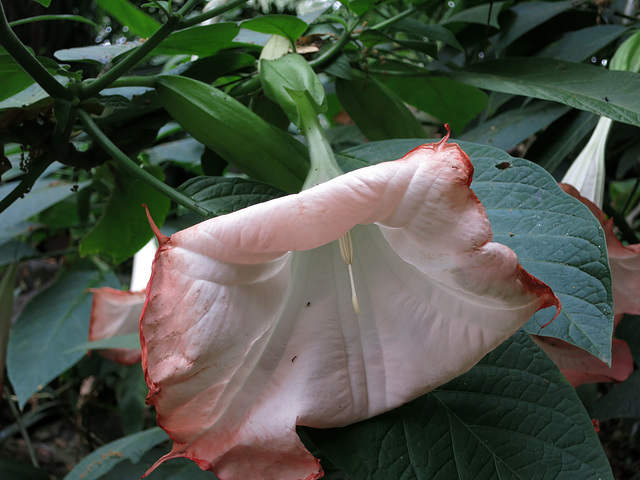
(114, 313)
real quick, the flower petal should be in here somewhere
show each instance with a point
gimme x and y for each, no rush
(623, 260)
(114, 313)
(581, 367)
(586, 173)
(249, 327)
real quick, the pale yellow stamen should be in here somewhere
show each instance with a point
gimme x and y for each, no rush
(346, 251)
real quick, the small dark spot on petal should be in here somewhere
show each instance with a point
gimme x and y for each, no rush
(294, 358)
(308, 304)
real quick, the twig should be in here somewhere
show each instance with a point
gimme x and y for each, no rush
(23, 430)
(26, 60)
(132, 167)
(35, 170)
(174, 22)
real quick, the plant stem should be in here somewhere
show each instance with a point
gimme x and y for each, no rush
(174, 22)
(90, 88)
(146, 81)
(23, 430)
(393, 20)
(214, 12)
(35, 170)
(332, 52)
(323, 163)
(627, 204)
(26, 60)
(44, 18)
(627, 232)
(132, 167)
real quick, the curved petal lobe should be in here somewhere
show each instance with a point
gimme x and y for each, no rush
(580, 367)
(114, 313)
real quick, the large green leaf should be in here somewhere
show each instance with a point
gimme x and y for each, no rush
(555, 237)
(554, 144)
(432, 32)
(7, 284)
(107, 457)
(131, 392)
(14, 250)
(513, 416)
(449, 101)
(222, 195)
(584, 87)
(43, 194)
(50, 325)
(223, 124)
(628, 331)
(286, 26)
(484, 14)
(101, 54)
(201, 40)
(128, 15)
(377, 111)
(123, 228)
(579, 45)
(524, 17)
(14, 78)
(30, 96)
(508, 129)
(622, 401)
(129, 340)
(186, 152)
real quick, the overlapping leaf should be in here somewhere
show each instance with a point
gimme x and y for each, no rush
(580, 86)
(122, 230)
(104, 459)
(235, 132)
(49, 326)
(222, 195)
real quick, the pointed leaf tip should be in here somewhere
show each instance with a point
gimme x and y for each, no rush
(162, 238)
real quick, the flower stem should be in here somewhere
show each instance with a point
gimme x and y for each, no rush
(132, 167)
(627, 232)
(323, 163)
(28, 61)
